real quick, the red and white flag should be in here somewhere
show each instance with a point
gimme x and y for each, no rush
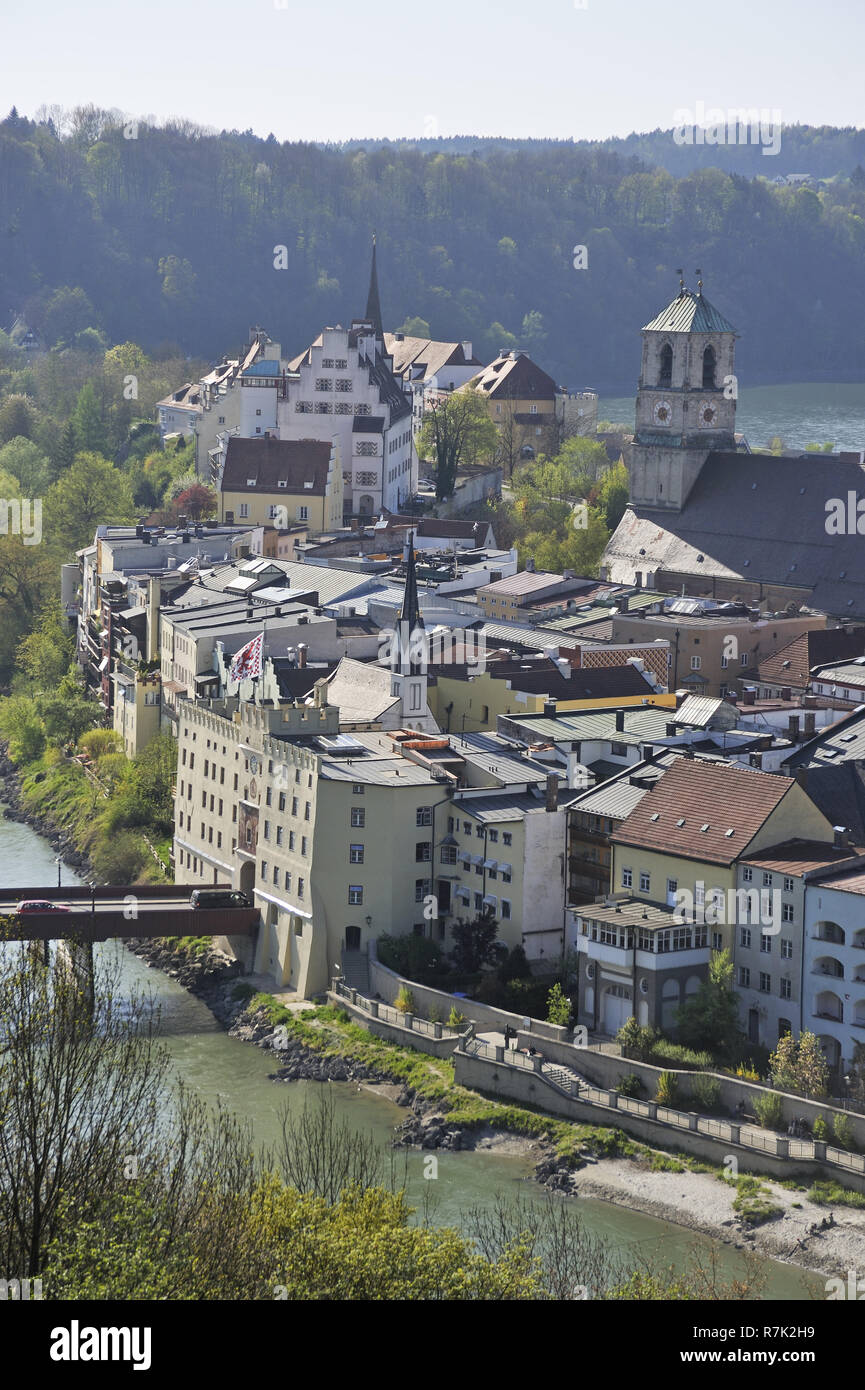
(247, 662)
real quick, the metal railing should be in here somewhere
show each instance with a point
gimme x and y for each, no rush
(569, 1083)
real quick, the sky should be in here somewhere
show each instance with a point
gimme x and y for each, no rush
(336, 70)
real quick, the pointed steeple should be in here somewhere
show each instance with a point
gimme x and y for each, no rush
(410, 618)
(373, 303)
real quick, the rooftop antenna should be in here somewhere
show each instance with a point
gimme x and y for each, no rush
(680, 274)
(698, 273)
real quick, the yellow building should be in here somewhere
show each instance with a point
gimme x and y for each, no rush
(278, 482)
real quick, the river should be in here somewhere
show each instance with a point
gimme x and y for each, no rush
(809, 413)
(236, 1073)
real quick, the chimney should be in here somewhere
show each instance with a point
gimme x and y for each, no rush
(749, 695)
(552, 791)
(620, 721)
(301, 655)
(549, 709)
(320, 689)
(623, 603)
(785, 692)
(648, 753)
(671, 730)
(810, 721)
(530, 565)
(840, 833)
(793, 728)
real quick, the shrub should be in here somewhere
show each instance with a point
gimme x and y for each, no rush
(630, 1085)
(842, 1132)
(706, 1091)
(434, 1014)
(753, 1201)
(119, 859)
(415, 957)
(456, 1020)
(821, 1129)
(668, 1089)
(747, 1072)
(830, 1194)
(404, 1001)
(636, 1041)
(515, 966)
(769, 1110)
(665, 1051)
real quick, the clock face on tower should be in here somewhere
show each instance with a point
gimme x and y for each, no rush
(662, 413)
(707, 414)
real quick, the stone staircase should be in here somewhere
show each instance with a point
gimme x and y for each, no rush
(355, 971)
(562, 1077)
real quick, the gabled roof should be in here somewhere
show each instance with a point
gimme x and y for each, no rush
(689, 313)
(290, 466)
(424, 358)
(515, 375)
(696, 804)
(792, 663)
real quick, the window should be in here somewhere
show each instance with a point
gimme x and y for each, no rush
(275, 876)
(744, 977)
(343, 383)
(355, 854)
(786, 989)
(696, 663)
(786, 948)
(672, 885)
(355, 894)
(479, 831)
(244, 509)
(788, 885)
(744, 936)
(765, 983)
(291, 840)
(422, 852)
(303, 513)
(294, 805)
(767, 880)
(323, 383)
(264, 871)
(323, 408)
(303, 844)
(618, 750)
(300, 885)
(267, 831)
(421, 885)
(645, 881)
(358, 817)
(744, 659)
(494, 836)
(627, 878)
(787, 912)
(747, 874)
(506, 909)
(307, 810)
(507, 837)
(282, 801)
(479, 902)
(357, 790)
(449, 854)
(724, 663)
(423, 815)
(717, 941)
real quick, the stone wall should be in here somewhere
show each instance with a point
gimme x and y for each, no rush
(401, 1033)
(387, 983)
(511, 1084)
(605, 1069)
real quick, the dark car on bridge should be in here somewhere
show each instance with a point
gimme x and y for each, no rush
(218, 897)
(39, 905)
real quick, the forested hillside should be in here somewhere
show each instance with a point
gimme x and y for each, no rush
(166, 236)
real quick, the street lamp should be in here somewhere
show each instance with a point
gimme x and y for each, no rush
(58, 861)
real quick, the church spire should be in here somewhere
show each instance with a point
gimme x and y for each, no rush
(373, 303)
(410, 619)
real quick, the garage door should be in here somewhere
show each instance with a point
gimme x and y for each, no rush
(617, 1007)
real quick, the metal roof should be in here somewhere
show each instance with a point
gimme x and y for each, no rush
(689, 313)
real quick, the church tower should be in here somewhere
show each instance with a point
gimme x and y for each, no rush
(409, 658)
(686, 399)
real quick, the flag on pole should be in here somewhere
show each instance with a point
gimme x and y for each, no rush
(247, 662)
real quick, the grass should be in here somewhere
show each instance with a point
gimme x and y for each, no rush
(829, 1194)
(753, 1201)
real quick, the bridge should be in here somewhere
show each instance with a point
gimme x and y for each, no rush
(109, 912)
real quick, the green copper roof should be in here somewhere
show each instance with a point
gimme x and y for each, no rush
(690, 313)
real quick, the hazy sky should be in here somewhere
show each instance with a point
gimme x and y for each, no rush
(337, 70)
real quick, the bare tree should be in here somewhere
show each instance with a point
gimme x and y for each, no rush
(324, 1156)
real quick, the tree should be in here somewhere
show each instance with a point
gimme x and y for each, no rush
(799, 1065)
(66, 712)
(26, 461)
(195, 501)
(457, 430)
(90, 492)
(17, 418)
(87, 421)
(614, 494)
(22, 727)
(415, 328)
(558, 1006)
(45, 653)
(710, 1018)
(474, 942)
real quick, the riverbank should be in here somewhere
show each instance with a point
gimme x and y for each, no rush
(14, 809)
(322, 1044)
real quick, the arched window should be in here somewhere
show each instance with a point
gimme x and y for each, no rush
(665, 374)
(709, 369)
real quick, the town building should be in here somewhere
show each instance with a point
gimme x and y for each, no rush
(282, 481)
(706, 512)
(430, 368)
(531, 413)
(786, 674)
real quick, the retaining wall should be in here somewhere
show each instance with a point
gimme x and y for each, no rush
(401, 1033)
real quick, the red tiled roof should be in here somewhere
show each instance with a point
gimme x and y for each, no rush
(695, 794)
